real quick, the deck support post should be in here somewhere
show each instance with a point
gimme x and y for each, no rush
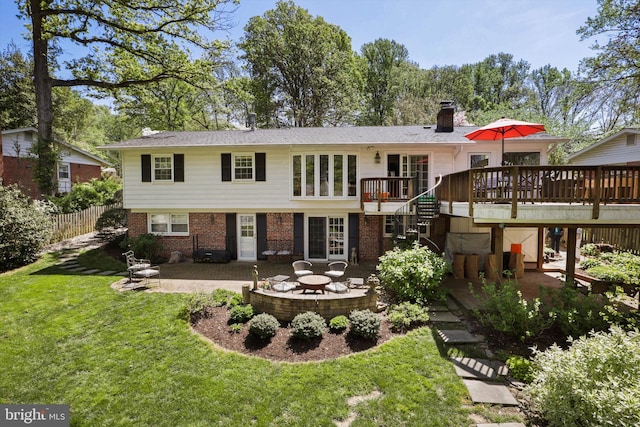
(570, 267)
(497, 242)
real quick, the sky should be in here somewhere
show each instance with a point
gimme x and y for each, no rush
(435, 32)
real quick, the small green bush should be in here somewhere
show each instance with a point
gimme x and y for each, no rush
(111, 220)
(241, 313)
(264, 326)
(339, 323)
(521, 369)
(226, 297)
(593, 383)
(590, 249)
(407, 315)
(146, 245)
(236, 328)
(25, 228)
(197, 306)
(414, 274)
(506, 311)
(308, 326)
(574, 313)
(365, 324)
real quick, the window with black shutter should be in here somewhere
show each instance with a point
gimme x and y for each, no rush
(225, 160)
(145, 160)
(178, 167)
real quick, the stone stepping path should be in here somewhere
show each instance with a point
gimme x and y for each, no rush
(444, 317)
(69, 262)
(467, 367)
(458, 336)
(484, 392)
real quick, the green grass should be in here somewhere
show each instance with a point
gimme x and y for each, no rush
(128, 359)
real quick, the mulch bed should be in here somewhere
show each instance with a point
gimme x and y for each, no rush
(283, 347)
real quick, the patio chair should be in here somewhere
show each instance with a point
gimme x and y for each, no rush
(302, 268)
(336, 270)
(135, 264)
(147, 274)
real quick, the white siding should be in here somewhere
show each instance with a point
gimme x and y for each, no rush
(14, 145)
(614, 152)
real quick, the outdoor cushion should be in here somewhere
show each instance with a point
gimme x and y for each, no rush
(337, 287)
(284, 287)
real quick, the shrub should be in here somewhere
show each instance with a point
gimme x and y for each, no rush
(339, 323)
(241, 313)
(520, 368)
(594, 382)
(407, 315)
(308, 325)
(146, 245)
(574, 313)
(111, 220)
(226, 297)
(197, 306)
(264, 326)
(365, 324)
(505, 310)
(25, 228)
(414, 274)
(83, 195)
(236, 328)
(590, 249)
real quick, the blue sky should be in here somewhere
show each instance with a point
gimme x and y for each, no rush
(436, 32)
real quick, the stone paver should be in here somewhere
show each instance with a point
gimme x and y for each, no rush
(444, 316)
(107, 273)
(458, 337)
(92, 271)
(467, 367)
(452, 305)
(437, 307)
(482, 392)
(78, 269)
(68, 266)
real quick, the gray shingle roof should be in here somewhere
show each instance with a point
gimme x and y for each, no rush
(306, 136)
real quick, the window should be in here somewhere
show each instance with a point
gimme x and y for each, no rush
(63, 171)
(242, 167)
(522, 158)
(478, 160)
(167, 223)
(162, 168)
(324, 175)
(631, 139)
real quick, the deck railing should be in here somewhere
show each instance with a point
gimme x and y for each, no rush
(588, 185)
(385, 189)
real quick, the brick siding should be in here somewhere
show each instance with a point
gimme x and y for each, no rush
(84, 173)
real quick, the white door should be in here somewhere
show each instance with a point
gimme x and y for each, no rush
(246, 237)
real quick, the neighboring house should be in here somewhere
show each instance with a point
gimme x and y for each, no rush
(18, 162)
(316, 193)
(621, 148)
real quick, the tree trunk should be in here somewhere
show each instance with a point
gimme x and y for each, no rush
(42, 82)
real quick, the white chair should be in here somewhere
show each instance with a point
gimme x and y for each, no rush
(336, 270)
(147, 274)
(302, 268)
(135, 264)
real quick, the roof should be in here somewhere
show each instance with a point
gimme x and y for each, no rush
(604, 141)
(359, 135)
(64, 144)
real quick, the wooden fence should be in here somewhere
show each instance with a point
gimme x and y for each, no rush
(66, 226)
(627, 239)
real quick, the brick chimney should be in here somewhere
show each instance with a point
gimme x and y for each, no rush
(445, 117)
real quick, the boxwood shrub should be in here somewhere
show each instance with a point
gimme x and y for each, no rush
(365, 324)
(308, 326)
(264, 326)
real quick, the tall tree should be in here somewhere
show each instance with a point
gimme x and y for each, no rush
(127, 43)
(383, 58)
(303, 68)
(616, 67)
(17, 100)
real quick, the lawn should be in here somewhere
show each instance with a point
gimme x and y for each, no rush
(130, 359)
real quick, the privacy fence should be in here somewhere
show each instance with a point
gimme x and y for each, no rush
(627, 239)
(66, 226)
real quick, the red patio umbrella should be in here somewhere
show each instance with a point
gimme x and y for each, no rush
(504, 128)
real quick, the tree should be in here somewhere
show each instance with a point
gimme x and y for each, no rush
(303, 69)
(382, 58)
(616, 67)
(17, 100)
(128, 43)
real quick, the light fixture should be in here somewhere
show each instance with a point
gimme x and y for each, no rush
(377, 157)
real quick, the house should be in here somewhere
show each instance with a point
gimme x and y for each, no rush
(18, 162)
(621, 148)
(313, 193)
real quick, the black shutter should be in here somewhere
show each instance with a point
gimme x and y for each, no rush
(298, 234)
(225, 159)
(145, 160)
(261, 166)
(178, 168)
(354, 234)
(231, 240)
(261, 234)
